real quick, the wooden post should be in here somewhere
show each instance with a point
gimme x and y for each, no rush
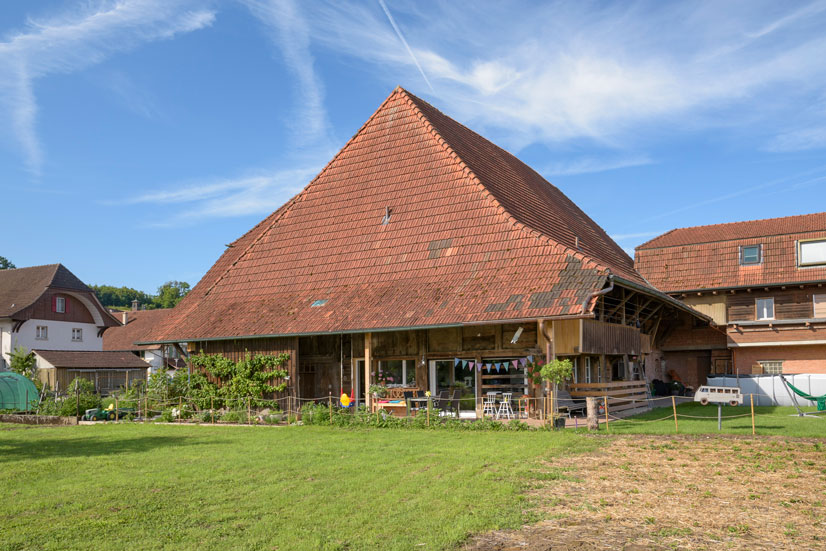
(145, 407)
(117, 417)
(368, 368)
(591, 407)
(330, 400)
(180, 406)
(607, 427)
(751, 397)
(77, 402)
(249, 412)
(674, 407)
(429, 400)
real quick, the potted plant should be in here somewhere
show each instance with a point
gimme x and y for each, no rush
(379, 391)
(557, 372)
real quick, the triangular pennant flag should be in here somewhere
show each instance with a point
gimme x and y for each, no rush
(487, 366)
(523, 361)
(464, 364)
(530, 359)
(514, 362)
(497, 367)
(456, 361)
(470, 365)
(479, 366)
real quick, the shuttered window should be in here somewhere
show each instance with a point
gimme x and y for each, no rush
(811, 253)
(820, 306)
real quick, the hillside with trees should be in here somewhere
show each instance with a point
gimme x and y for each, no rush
(168, 295)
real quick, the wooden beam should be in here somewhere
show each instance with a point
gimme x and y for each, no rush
(621, 304)
(654, 311)
(368, 357)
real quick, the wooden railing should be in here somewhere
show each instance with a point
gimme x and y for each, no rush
(622, 395)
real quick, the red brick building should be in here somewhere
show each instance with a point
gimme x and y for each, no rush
(761, 281)
(424, 255)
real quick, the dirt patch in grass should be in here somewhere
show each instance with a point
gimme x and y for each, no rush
(654, 492)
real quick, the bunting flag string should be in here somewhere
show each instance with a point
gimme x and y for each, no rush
(506, 365)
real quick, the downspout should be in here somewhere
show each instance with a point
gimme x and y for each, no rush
(598, 293)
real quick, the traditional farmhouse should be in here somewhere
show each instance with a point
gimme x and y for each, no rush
(46, 309)
(425, 256)
(763, 284)
(137, 326)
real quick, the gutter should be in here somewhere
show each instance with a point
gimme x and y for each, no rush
(598, 293)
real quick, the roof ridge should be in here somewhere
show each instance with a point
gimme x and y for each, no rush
(756, 221)
(486, 193)
(286, 207)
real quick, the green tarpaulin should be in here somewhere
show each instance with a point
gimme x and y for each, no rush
(819, 400)
(14, 389)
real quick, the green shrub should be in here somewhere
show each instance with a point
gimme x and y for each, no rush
(234, 417)
(81, 396)
(166, 416)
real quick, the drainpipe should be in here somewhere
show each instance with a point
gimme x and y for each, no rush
(598, 293)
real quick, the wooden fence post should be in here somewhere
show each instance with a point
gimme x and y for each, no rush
(330, 401)
(674, 407)
(753, 431)
(145, 407)
(591, 409)
(180, 407)
(117, 416)
(607, 428)
(212, 408)
(249, 412)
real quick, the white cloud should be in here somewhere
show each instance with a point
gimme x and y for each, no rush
(75, 40)
(587, 165)
(615, 74)
(289, 31)
(192, 202)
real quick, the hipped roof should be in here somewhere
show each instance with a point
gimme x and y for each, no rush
(474, 235)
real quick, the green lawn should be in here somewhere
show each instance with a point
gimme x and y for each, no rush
(145, 487)
(767, 420)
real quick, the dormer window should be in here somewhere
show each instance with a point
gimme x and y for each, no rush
(811, 252)
(750, 254)
(60, 305)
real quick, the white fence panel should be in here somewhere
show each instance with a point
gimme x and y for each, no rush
(769, 390)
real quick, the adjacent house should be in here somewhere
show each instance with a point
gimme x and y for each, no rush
(138, 325)
(48, 310)
(425, 256)
(761, 281)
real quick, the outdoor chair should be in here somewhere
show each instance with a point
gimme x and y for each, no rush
(443, 401)
(566, 402)
(505, 409)
(489, 404)
(455, 401)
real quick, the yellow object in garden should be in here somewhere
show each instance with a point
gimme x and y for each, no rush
(427, 394)
(111, 407)
(345, 400)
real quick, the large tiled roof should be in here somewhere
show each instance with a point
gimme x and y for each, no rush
(708, 257)
(21, 287)
(99, 359)
(140, 325)
(474, 235)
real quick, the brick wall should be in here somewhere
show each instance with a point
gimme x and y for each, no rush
(796, 359)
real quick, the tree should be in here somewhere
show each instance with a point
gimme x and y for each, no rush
(557, 372)
(121, 297)
(24, 363)
(6, 264)
(171, 293)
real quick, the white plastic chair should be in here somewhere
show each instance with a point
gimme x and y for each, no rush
(489, 404)
(505, 409)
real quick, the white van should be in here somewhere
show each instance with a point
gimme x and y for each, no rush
(719, 395)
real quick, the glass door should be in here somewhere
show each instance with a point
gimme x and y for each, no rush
(441, 376)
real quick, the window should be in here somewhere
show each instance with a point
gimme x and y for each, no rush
(750, 254)
(77, 334)
(60, 305)
(587, 370)
(820, 306)
(397, 372)
(42, 333)
(811, 253)
(773, 367)
(765, 308)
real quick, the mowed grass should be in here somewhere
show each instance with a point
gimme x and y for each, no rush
(782, 421)
(132, 486)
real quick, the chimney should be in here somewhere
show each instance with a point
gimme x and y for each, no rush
(135, 305)
(125, 317)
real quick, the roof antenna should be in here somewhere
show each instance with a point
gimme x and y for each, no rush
(386, 219)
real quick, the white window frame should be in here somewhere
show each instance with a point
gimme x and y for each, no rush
(587, 370)
(60, 305)
(804, 242)
(759, 261)
(79, 332)
(42, 333)
(576, 370)
(771, 367)
(757, 309)
(815, 300)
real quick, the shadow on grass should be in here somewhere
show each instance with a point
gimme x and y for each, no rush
(15, 450)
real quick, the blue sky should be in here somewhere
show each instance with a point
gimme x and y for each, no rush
(138, 137)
